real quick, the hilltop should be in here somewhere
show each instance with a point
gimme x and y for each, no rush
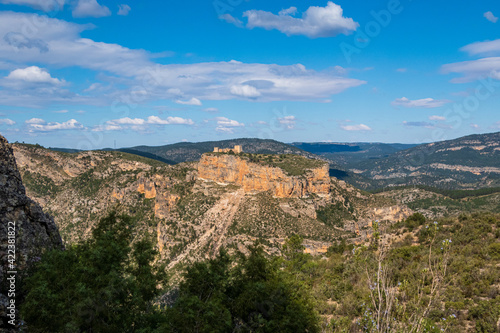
(192, 151)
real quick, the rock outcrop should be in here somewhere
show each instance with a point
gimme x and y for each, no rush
(225, 168)
(23, 224)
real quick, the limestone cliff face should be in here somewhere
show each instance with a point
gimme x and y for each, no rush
(255, 177)
(35, 231)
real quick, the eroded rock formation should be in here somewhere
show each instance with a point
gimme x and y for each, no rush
(225, 168)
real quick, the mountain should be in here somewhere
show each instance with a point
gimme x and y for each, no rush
(193, 208)
(469, 162)
(348, 154)
(192, 151)
(26, 232)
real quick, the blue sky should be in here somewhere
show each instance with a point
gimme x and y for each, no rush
(86, 74)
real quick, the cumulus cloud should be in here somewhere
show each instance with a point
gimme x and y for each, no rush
(139, 124)
(232, 20)
(192, 101)
(227, 125)
(40, 125)
(490, 17)
(169, 121)
(45, 5)
(90, 8)
(245, 91)
(288, 121)
(402, 70)
(419, 103)
(438, 118)
(123, 10)
(315, 21)
(33, 74)
(360, 127)
(7, 121)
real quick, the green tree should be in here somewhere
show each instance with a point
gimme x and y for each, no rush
(252, 296)
(101, 285)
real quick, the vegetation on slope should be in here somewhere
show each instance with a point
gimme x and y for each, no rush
(414, 276)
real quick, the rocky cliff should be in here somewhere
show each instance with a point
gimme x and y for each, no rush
(226, 168)
(23, 224)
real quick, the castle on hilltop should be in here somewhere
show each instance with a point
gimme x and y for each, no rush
(237, 149)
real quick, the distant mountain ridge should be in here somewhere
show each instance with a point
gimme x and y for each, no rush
(469, 162)
(192, 151)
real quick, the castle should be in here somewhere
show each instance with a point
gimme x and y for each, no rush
(237, 149)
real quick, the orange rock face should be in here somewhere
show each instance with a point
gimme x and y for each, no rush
(147, 188)
(255, 177)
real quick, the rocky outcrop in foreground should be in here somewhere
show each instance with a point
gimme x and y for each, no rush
(225, 168)
(23, 224)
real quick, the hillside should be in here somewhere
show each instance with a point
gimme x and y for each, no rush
(349, 154)
(469, 162)
(192, 151)
(188, 216)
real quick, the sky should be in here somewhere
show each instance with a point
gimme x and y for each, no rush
(90, 74)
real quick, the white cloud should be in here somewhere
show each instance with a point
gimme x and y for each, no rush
(90, 8)
(490, 17)
(123, 9)
(475, 126)
(474, 69)
(315, 21)
(45, 5)
(33, 74)
(192, 101)
(360, 127)
(223, 121)
(139, 124)
(227, 125)
(35, 121)
(489, 47)
(7, 121)
(288, 121)
(169, 121)
(419, 103)
(63, 47)
(37, 124)
(127, 121)
(232, 20)
(288, 11)
(439, 118)
(61, 111)
(245, 91)
(402, 70)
